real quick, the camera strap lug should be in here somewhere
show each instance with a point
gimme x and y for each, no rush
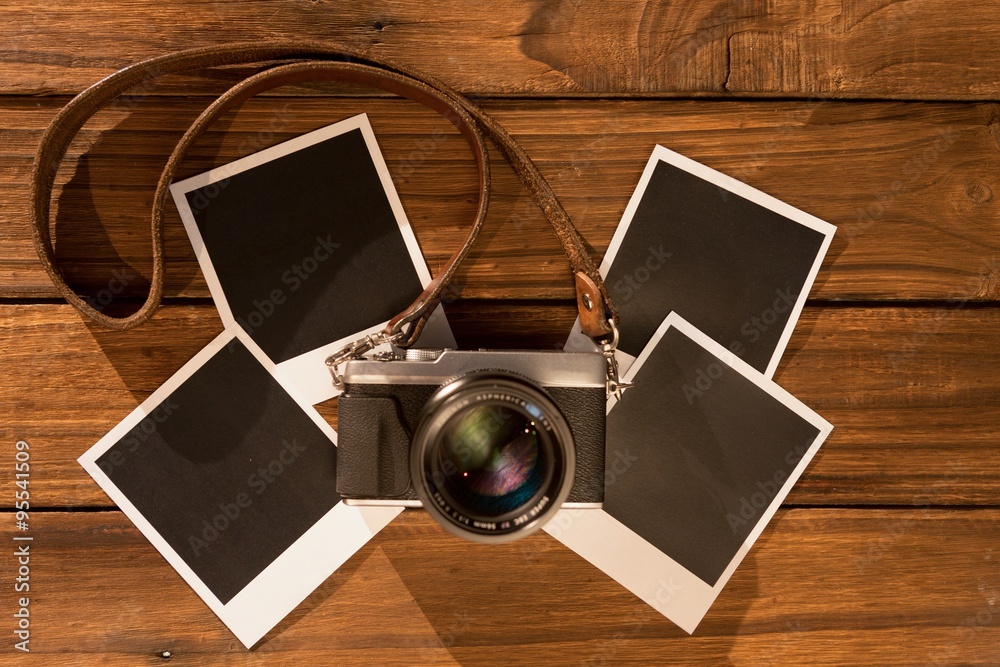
(356, 350)
(615, 386)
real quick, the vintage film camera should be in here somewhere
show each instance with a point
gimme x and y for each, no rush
(491, 443)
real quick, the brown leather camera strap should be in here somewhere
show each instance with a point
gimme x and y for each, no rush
(310, 61)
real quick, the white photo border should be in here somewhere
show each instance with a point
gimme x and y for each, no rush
(307, 371)
(653, 576)
(294, 574)
(739, 188)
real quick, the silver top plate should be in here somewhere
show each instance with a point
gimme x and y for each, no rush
(549, 368)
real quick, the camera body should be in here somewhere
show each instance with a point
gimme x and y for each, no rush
(491, 442)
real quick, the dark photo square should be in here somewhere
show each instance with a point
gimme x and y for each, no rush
(229, 470)
(696, 452)
(732, 267)
(306, 246)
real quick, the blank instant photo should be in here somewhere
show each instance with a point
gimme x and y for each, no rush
(306, 247)
(233, 479)
(700, 454)
(735, 262)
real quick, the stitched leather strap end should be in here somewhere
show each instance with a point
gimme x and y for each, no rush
(594, 317)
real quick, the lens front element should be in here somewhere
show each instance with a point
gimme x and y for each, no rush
(492, 457)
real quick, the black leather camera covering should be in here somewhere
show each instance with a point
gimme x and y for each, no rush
(376, 423)
(373, 448)
(584, 409)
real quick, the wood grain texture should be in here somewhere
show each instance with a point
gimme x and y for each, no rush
(926, 49)
(821, 587)
(914, 394)
(913, 187)
(881, 117)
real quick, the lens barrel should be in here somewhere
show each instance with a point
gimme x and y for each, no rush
(492, 457)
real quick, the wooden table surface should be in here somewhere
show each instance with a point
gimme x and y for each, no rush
(880, 117)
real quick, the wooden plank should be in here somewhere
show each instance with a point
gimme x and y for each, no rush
(827, 47)
(914, 393)
(911, 186)
(821, 587)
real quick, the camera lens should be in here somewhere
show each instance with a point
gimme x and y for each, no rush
(492, 457)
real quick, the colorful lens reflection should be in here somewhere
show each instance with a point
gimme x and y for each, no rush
(491, 459)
